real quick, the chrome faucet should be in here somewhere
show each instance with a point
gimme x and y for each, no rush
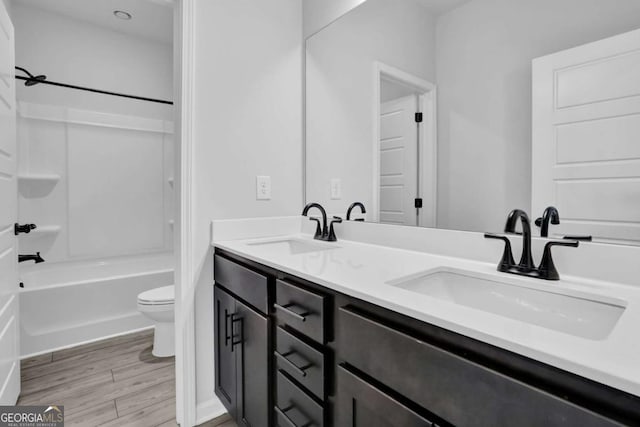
(324, 232)
(354, 205)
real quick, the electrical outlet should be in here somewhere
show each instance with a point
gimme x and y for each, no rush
(263, 188)
(336, 189)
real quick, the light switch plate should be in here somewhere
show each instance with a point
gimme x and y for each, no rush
(336, 189)
(263, 187)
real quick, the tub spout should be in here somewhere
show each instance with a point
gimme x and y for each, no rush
(37, 258)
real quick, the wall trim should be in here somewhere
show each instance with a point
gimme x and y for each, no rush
(209, 410)
(184, 51)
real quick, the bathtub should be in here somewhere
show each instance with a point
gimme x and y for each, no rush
(72, 303)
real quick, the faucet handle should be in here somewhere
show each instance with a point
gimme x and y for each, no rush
(507, 261)
(332, 234)
(24, 228)
(580, 238)
(318, 233)
(539, 221)
(547, 269)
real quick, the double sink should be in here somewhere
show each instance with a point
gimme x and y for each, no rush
(576, 313)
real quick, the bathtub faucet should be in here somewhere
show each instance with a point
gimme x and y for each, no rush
(37, 258)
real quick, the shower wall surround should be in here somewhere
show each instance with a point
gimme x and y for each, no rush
(97, 185)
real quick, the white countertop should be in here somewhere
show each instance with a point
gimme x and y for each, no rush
(361, 270)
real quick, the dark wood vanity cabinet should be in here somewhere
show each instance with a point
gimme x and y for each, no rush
(241, 351)
(315, 357)
(458, 390)
(361, 404)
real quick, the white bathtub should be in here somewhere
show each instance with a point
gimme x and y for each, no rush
(67, 304)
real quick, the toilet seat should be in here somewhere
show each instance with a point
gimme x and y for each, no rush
(158, 297)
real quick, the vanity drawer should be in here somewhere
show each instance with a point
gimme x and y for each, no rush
(302, 362)
(301, 310)
(245, 283)
(455, 389)
(294, 407)
(360, 404)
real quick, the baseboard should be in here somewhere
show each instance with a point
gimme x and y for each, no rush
(207, 411)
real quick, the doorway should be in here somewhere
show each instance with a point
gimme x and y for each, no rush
(65, 122)
(405, 151)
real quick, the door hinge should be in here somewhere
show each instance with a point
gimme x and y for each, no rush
(418, 117)
(418, 203)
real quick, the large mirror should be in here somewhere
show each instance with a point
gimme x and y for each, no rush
(477, 107)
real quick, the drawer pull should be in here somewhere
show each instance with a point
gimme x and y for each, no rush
(283, 414)
(302, 370)
(240, 336)
(226, 328)
(286, 309)
(227, 337)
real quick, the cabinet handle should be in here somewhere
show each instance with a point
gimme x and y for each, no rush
(227, 337)
(285, 308)
(301, 370)
(282, 413)
(235, 320)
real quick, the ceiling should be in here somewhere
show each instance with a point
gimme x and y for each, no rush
(439, 7)
(152, 19)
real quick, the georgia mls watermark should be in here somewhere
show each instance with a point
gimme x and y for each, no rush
(31, 416)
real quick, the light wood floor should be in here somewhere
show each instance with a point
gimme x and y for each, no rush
(115, 382)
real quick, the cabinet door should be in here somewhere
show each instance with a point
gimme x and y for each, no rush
(360, 404)
(225, 357)
(252, 329)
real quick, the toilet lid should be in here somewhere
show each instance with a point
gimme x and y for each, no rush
(163, 295)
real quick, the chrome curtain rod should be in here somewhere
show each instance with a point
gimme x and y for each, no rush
(31, 80)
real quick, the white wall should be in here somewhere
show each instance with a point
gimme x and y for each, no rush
(248, 122)
(340, 91)
(484, 53)
(71, 51)
(7, 6)
(319, 13)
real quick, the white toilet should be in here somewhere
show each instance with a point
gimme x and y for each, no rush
(158, 305)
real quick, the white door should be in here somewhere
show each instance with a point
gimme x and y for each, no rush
(398, 161)
(586, 138)
(9, 351)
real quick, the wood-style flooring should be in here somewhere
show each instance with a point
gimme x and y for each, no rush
(114, 382)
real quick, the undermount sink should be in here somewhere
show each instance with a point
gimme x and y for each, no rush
(294, 246)
(587, 316)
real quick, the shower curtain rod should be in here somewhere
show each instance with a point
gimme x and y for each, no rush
(32, 80)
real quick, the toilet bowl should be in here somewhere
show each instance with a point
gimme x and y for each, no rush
(158, 305)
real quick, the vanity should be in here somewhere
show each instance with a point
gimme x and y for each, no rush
(296, 346)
